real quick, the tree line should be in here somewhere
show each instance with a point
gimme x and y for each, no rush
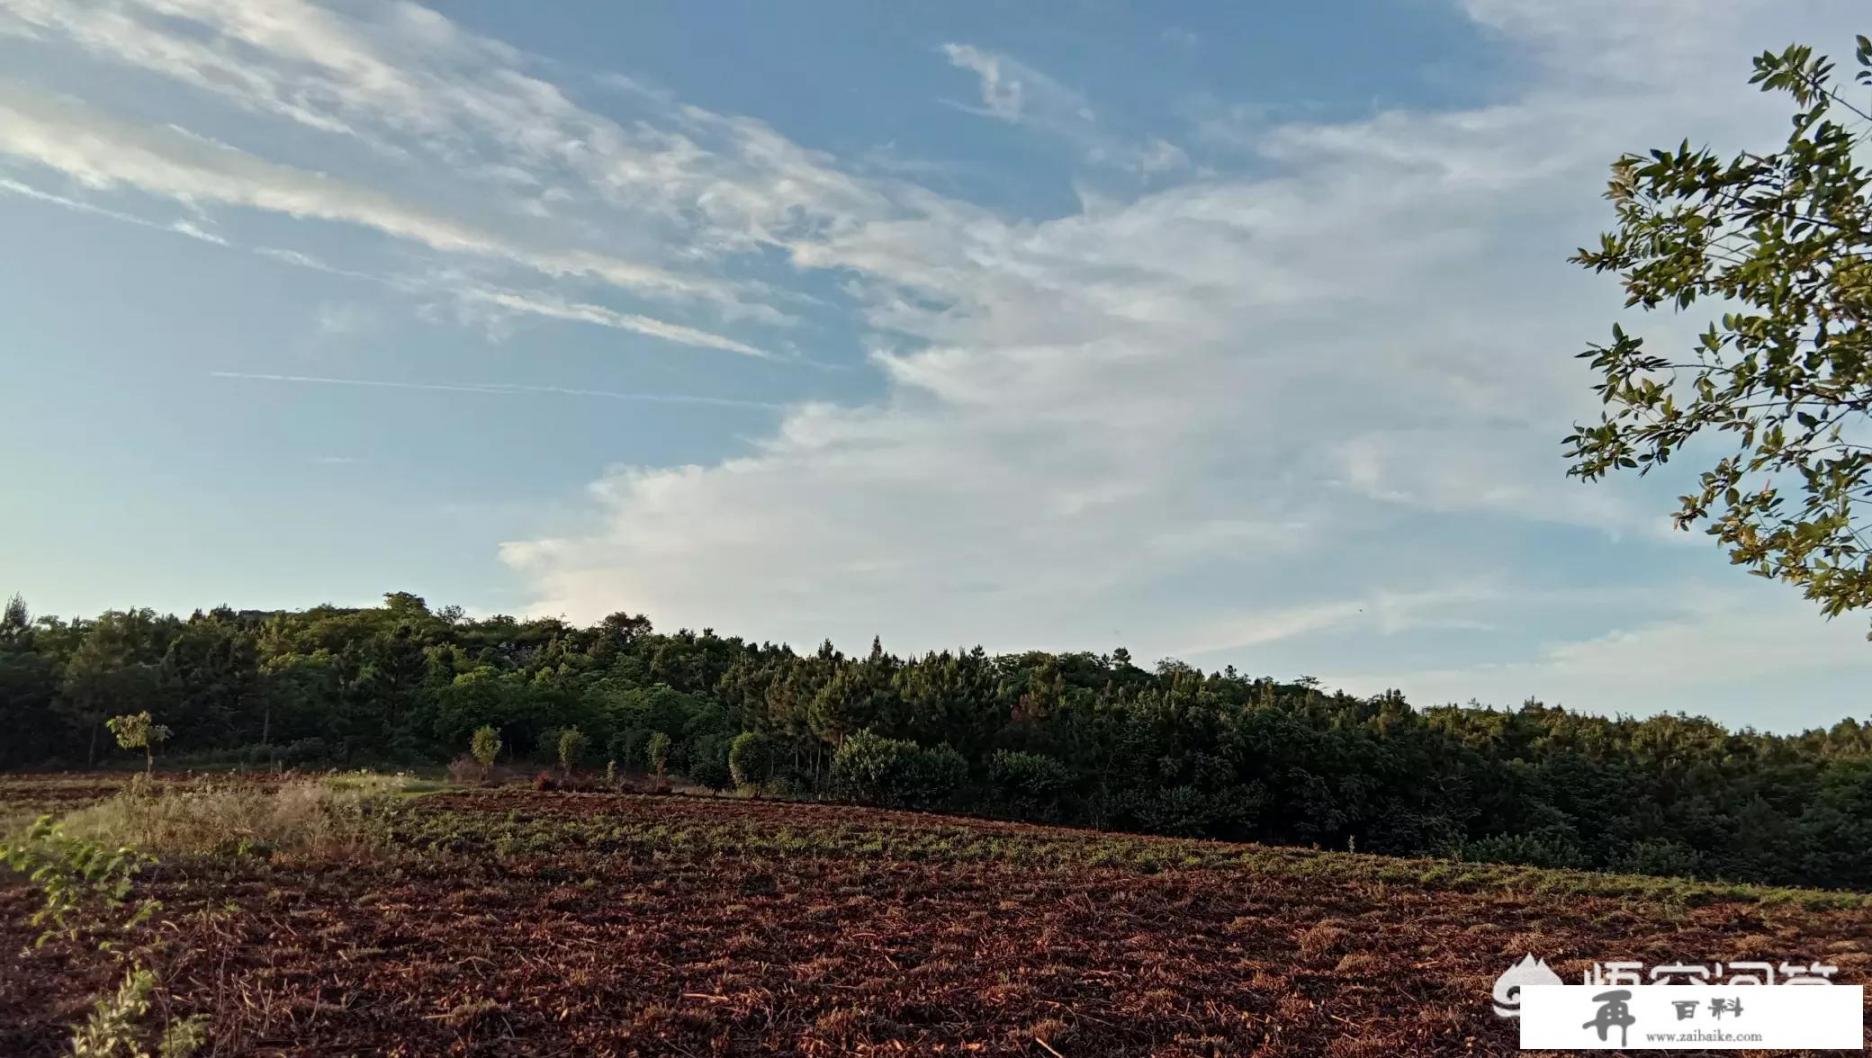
(1080, 738)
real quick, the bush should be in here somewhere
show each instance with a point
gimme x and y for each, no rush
(1183, 811)
(485, 746)
(572, 745)
(1548, 847)
(871, 769)
(936, 775)
(657, 751)
(751, 761)
(1654, 856)
(708, 763)
(1027, 782)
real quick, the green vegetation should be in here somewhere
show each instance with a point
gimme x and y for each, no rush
(139, 731)
(81, 883)
(84, 889)
(1088, 739)
(656, 751)
(1782, 242)
(118, 1025)
(572, 745)
(485, 746)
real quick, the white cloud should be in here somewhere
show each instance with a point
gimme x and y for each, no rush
(100, 151)
(1382, 613)
(1015, 92)
(1004, 84)
(1386, 307)
(1214, 416)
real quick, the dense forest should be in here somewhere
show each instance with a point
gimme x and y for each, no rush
(1077, 738)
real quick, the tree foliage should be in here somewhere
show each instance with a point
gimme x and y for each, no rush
(1774, 396)
(572, 746)
(485, 745)
(1082, 738)
(139, 731)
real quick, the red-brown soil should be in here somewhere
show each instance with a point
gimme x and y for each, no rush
(515, 922)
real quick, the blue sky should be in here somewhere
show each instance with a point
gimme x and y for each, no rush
(1227, 332)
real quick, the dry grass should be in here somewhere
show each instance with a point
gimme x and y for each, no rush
(299, 817)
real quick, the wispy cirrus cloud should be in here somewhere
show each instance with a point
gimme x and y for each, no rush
(497, 389)
(1019, 94)
(1243, 412)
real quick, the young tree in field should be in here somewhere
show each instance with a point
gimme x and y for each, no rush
(485, 745)
(139, 731)
(1782, 241)
(572, 746)
(657, 752)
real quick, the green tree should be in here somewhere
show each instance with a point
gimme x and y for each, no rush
(114, 665)
(1782, 241)
(572, 746)
(29, 686)
(485, 745)
(139, 731)
(657, 752)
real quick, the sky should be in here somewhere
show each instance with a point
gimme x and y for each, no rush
(1236, 333)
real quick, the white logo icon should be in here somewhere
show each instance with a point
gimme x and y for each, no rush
(1528, 972)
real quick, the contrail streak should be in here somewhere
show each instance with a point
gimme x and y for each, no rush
(500, 389)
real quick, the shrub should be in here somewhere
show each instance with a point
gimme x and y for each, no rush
(1548, 847)
(871, 769)
(868, 767)
(708, 763)
(628, 744)
(1181, 810)
(572, 745)
(656, 751)
(936, 775)
(1654, 856)
(750, 761)
(485, 746)
(1027, 782)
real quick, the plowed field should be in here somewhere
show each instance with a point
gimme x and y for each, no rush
(515, 922)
